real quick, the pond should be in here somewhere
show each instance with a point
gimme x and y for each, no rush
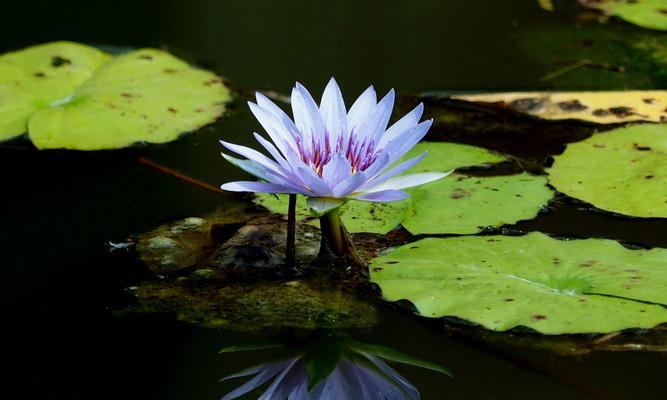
(72, 327)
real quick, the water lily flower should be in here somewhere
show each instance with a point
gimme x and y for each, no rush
(331, 154)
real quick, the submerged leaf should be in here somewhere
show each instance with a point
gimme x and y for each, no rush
(146, 95)
(602, 107)
(552, 286)
(469, 204)
(38, 77)
(623, 171)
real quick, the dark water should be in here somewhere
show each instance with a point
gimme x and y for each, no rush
(59, 284)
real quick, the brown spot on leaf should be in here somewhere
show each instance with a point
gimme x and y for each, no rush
(459, 193)
(39, 74)
(212, 82)
(170, 70)
(649, 100)
(172, 110)
(588, 263)
(640, 148)
(377, 269)
(391, 262)
(527, 104)
(146, 57)
(509, 299)
(127, 95)
(572, 105)
(648, 177)
(600, 112)
(622, 112)
(539, 317)
(57, 61)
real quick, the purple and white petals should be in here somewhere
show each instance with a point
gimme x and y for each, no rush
(328, 152)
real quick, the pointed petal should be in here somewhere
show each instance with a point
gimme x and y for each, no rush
(406, 123)
(273, 151)
(267, 372)
(253, 169)
(278, 132)
(406, 181)
(407, 140)
(376, 123)
(307, 115)
(383, 195)
(362, 107)
(333, 111)
(349, 185)
(256, 187)
(399, 169)
(252, 155)
(314, 184)
(336, 170)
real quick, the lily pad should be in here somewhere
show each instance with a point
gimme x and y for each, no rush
(623, 171)
(651, 14)
(145, 95)
(601, 107)
(443, 156)
(36, 77)
(469, 204)
(552, 286)
(360, 216)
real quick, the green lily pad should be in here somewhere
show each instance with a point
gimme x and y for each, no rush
(651, 14)
(469, 204)
(361, 216)
(623, 170)
(443, 156)
(145, 95)
(552, 286)
(36, 77)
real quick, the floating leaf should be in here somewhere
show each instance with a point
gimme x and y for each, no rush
(146, 95)
(468, 204)
(361, 216)
(650, 14)
(623, 170)
(443, 156)
(552, 286)
(601, 107)
(38, 76)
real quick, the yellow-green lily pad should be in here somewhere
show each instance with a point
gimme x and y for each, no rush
(145, 95)
(468, 204)
(36, 77)
(552, 286)
(651, 14)
(623, 170)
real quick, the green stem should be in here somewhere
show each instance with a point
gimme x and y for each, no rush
(332, 233)
(336, 241)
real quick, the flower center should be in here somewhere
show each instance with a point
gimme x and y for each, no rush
(359, 151)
